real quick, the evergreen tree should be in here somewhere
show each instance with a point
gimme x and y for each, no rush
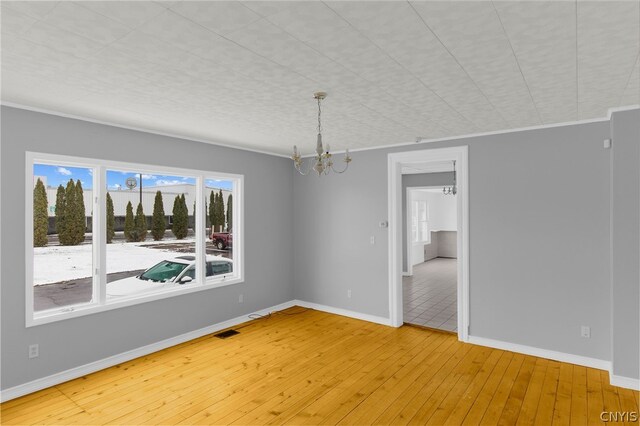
(60, 209)
(194, 214)
(158, 225)
(111, 220)
(40, 215)
(69, 229)
(180, 218)
(214, 218)
(79, 215)
(218, 212)
(175, 219)
(221, 218)
(140, 227)
(185, 216)
(185, 209)
(212, 209)
(230, 213)
(129, 224)
(207, 222)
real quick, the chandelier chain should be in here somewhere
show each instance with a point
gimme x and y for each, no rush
(452, 190)
(319, 113)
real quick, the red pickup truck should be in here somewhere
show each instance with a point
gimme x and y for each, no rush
(222, 240)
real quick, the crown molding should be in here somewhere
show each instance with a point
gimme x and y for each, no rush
(137, 129)
(610, 111)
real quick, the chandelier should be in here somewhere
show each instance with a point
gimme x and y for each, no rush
(322, 162)
(451, 190)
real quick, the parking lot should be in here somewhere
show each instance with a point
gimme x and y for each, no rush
(72, 292)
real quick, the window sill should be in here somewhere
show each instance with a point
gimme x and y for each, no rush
(92, 308)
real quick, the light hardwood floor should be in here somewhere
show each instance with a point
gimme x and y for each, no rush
(308, 367)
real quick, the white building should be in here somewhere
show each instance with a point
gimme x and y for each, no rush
(123, 196)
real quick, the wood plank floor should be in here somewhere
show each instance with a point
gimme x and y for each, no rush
(308, 367)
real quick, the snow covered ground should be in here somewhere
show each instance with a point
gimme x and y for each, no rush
(63, 263)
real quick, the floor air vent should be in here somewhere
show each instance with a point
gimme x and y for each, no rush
(227, 333)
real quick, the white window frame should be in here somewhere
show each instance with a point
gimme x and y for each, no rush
(415, 215)
(99, 302)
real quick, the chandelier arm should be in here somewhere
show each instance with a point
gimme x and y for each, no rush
(340, 171)
(299, 167)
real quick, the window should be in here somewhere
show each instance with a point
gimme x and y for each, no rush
(64, 251)
(146, 253)
(106, 234)
(419, 222)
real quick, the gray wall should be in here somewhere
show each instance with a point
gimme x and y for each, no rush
(540, 210)
(431, 249)
(443, 244)
(73, 342)
(625, 196)
(448, 244)
(539, 237)
(415, 181)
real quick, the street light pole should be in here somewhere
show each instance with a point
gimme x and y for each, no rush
(140, 188)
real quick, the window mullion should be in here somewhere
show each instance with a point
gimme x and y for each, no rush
(238, 226)
(100, 233)
(200, 231)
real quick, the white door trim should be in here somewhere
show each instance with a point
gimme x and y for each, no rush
(408, 238)
(395, 162)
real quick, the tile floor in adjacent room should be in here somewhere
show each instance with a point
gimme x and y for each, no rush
(430, 295)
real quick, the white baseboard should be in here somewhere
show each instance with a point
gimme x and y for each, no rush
(92, 367)
(343, 312)
(600, 364)
(83, 370)
(624, 382)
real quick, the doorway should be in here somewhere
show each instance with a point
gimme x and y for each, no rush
(396, 163)
(429, 283)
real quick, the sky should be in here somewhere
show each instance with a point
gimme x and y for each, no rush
(117, 180)
(60, 175)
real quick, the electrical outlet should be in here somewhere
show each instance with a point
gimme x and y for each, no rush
(372, 240)
(34, 351)
(349, 294)
(585, 331)
(241, 298)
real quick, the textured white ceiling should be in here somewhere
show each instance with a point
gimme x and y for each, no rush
(243, 73)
